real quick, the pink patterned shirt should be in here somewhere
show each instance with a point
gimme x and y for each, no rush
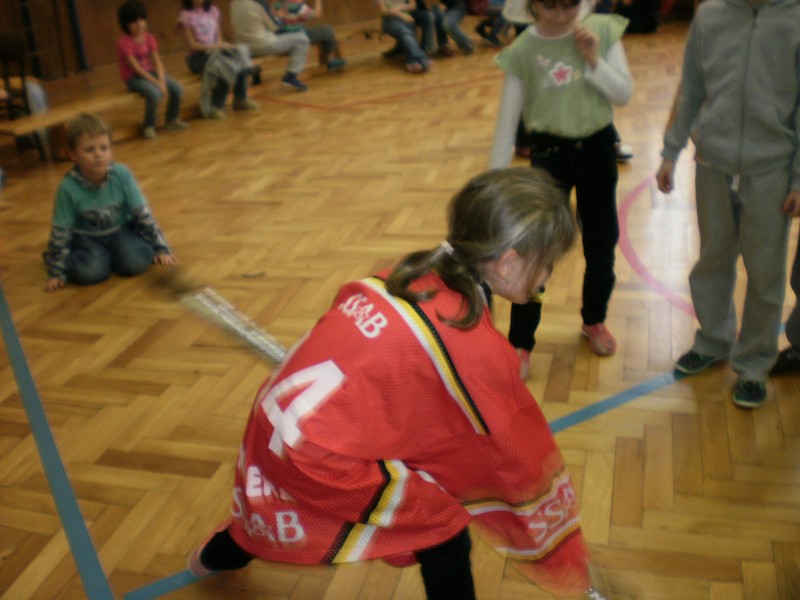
(204, 24)
(141, 51)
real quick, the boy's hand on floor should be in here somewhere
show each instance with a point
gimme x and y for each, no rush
(54, 284)
(164, 260)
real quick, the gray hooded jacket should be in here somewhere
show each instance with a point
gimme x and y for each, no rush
(740, 88)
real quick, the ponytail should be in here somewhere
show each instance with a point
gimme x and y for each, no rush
(520, 208)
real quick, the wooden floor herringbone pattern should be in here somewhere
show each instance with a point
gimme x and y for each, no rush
(684, 496)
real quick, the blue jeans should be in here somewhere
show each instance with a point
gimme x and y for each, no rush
(431, 23)
(92, 259)
(196, 62)
(152, 96)
(406, 38)
(452, 21)
(324, 37)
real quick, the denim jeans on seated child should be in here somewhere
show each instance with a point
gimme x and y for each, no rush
(452, 20)
(406, 37)
(92, 259)
(152, 96)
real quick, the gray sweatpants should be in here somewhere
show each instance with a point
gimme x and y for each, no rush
(747, 220)
(294, 43)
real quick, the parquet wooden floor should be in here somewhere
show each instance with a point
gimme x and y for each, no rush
(684, 496)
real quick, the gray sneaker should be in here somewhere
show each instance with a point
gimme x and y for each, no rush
(693, 362)
(749, 393)
(177, 125)
(246, 104)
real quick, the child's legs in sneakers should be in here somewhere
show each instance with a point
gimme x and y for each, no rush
(296, 44)
(763, 238)
(713, 278)
(438, 24)
(175, 94)
(406, 38)
(151, 94)
(426, 21)
(325, 37)
(596, 203)
(452, 24)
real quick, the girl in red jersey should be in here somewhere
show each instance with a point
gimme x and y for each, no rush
(400, 418)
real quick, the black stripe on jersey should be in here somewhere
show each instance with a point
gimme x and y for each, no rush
(450, 365)
(346, 529)
(370, 508)
(337, 544)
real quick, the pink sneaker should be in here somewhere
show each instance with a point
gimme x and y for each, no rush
(524, 364)
(193, 563)
(600, 339)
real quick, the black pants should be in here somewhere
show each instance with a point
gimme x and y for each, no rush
(446, 570)
(590, 166)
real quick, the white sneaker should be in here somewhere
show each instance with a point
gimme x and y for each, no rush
(177, 125)
(149, 133)
(246, 104)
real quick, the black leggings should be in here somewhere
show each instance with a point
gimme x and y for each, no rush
(590, 166)
(446, 570)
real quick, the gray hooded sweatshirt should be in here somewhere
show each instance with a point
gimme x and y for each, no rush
(740, 88)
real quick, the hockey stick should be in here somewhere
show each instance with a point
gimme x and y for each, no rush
(207, 303)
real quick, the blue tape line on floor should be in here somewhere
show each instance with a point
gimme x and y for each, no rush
(162, 586)
(90, 571)
(593, 410)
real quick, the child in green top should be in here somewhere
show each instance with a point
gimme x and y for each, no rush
(563, 74)
(101, 222)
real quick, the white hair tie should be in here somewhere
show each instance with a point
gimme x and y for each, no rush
(445, 245)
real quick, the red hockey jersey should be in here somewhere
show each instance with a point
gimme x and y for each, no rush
(386, 431)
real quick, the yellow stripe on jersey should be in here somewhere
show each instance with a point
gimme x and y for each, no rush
(544, 511)
(358, 539)
(430, 341)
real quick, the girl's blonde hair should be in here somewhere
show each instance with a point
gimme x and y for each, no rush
(520, 208)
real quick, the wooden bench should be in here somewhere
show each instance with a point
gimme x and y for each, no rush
(104, 96)
(101, 92)
(57, 115)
